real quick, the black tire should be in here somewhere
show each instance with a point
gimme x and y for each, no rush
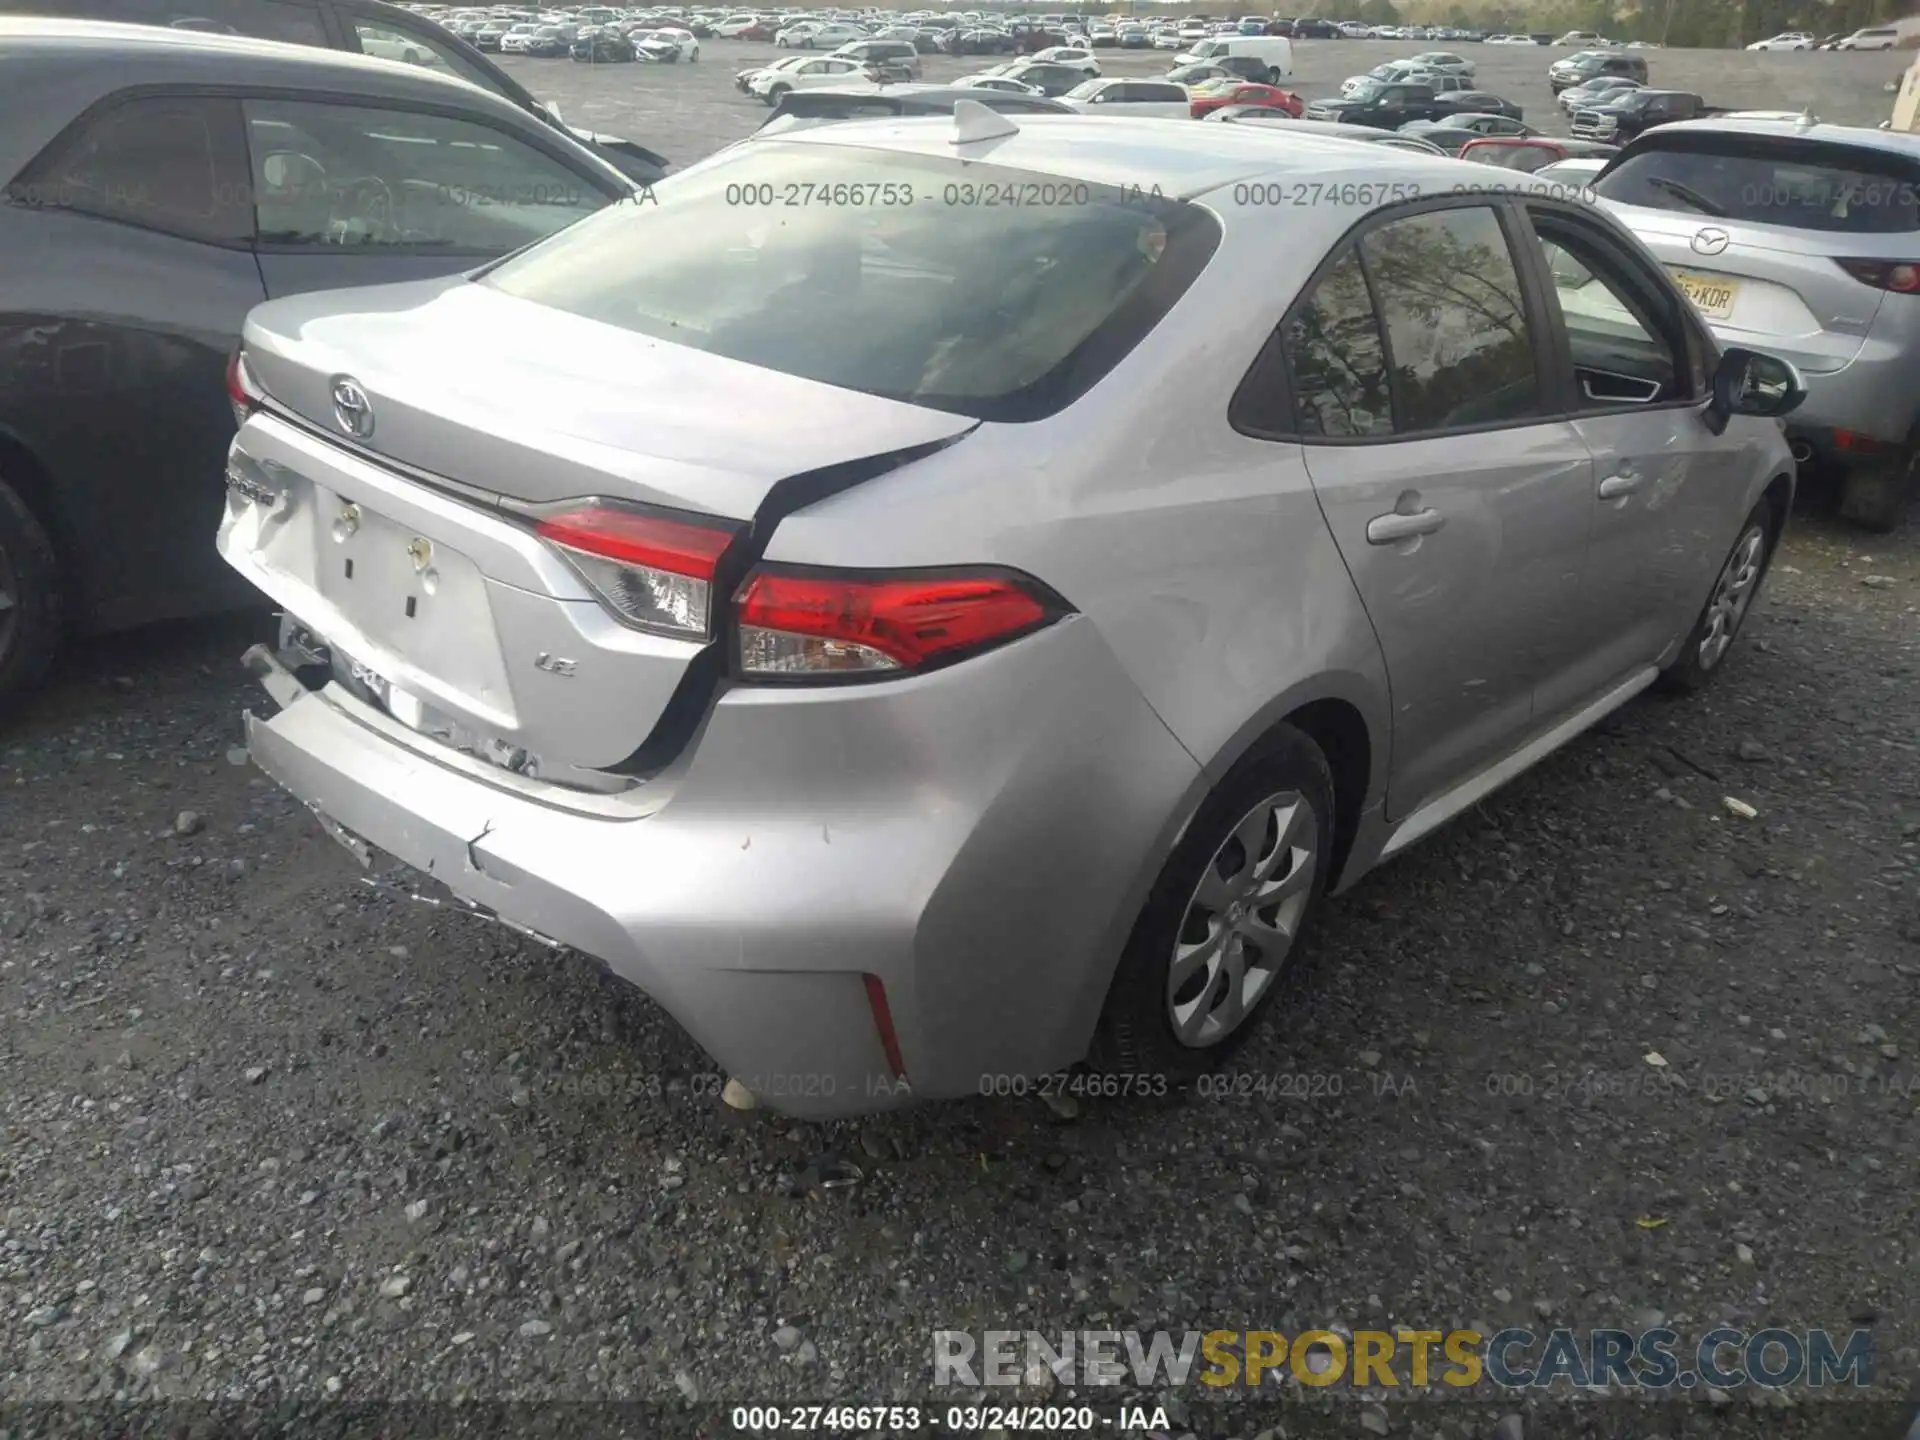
(1273, 75)
(1689, 671)
(1135, 1034)
(1876, 497)
(32, 627)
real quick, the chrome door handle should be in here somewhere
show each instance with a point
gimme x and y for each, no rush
(1386, 529)
(1614, 486)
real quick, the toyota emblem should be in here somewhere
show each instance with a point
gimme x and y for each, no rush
(352, 410)
(1710, 241)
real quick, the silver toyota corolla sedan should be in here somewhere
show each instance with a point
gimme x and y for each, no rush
(933, 599)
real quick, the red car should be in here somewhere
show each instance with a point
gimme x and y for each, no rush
(1218, 93)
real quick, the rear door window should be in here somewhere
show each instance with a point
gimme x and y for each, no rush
(1461, 349)
(1799, 185)
(1338, 358)
(172, 164)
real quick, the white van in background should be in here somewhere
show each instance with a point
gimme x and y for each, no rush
(1273, 51)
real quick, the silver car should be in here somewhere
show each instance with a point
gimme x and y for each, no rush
(1803, 238)
(951, 636)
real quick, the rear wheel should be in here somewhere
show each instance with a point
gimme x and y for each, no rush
(1734, 592)
(1273, 75)
(1226, 919)
(30, 599)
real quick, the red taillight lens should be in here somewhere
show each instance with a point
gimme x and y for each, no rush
(804, 626)
(653, 572)
(883, 1026)
(1902, 277)
(242, 389)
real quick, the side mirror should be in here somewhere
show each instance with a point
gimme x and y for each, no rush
(1751, 382)
(553, 111)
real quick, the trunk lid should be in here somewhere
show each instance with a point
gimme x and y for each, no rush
(530, 403)
(450, 615)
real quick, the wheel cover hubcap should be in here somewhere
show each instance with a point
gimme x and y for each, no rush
(1733, 593)
(1239, 925)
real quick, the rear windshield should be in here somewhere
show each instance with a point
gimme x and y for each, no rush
(989, 292)
(1801, 185)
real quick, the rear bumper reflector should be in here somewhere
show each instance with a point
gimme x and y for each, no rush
(883, 1022)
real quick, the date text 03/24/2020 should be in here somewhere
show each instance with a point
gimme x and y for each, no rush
(959, 1419)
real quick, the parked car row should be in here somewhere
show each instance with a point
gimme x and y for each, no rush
(1869, 37)
(996, 31)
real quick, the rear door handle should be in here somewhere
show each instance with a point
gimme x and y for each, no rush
(1386, 529)
(1614, 486)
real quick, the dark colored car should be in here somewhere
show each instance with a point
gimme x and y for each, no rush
(813, 107)
(893, 59)
(1621, 116)
(603, 48)
(1456, 132)
(980, 40)
(552, 43)
(1200, 72)
(369, 27)
(1280, 27)
(154, 192)
(1587, 65)
(1032, 42)
(1246, 67)
(1477, 102)
(1050, 80)
(1316, 30)
(1385, 107)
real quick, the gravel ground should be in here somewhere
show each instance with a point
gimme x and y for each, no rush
(266, 1132)
(688, 111)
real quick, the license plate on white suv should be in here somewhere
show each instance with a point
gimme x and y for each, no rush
(1712, 295)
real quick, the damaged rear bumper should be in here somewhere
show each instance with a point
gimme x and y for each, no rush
(954, 837)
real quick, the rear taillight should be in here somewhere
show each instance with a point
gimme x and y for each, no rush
(655, 573)
(1902, 277)
(242, 389)
(821, 625)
